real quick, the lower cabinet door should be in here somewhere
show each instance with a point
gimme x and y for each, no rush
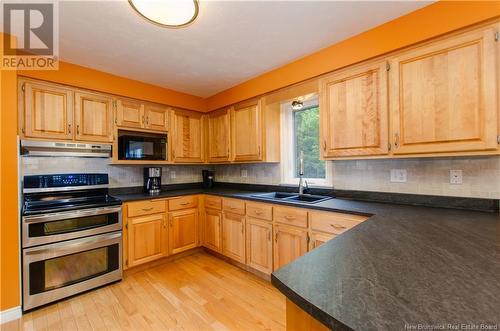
(147, 238)
(183, 234)
(233, 236)
(260, 245)
(318, 239)
(212, 229)
(289, 244)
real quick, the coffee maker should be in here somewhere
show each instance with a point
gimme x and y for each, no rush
(152, 180)
(208, 178)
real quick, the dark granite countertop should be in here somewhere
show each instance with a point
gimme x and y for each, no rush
(405, 267)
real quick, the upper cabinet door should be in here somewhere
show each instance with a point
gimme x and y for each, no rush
(353, 108)
(156, 117)
(48, 111)
(246, 127)
(93, 114)
(130, 114)
(444, 95)
(219, 133)
(187, 137)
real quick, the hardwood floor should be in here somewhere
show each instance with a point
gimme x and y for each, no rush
(197, 292)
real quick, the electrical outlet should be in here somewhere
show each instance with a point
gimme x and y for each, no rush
(456, 177)
(244, 173)
(398, 175)
(172, 174)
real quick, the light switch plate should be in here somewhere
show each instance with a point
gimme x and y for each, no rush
(399, 175)
(172, 174)
(244, 173)
(456, 177)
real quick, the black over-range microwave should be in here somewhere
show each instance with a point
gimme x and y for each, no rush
(141, 146)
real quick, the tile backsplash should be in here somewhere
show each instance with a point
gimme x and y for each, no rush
(481, 175)
(119, 175)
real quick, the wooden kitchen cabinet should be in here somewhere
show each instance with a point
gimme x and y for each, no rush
(129, 114)
(93, 117)
(318, 239)
(147, 238)
(259, 244)
(289, 244)
(233, 236)
(156, 117)
(444, 95)
(183, 233)
(246, 131)
(48, 111)
(354, 111)
(219, 133)
(187, 137)
(212, 229)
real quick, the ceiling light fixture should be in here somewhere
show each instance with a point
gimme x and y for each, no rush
(167, 13)
(297, 105)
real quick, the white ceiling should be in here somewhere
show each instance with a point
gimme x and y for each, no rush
(230, 42)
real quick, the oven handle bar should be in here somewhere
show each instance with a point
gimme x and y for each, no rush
(73, 246)
(71, 214)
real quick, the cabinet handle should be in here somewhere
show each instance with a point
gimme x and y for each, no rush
(396, 140)
(142, 119)
(337, 226)
(147, 209)
(308, 239)
(258, 211)
(269, 235)
(276, 237)
(147, 120)
(324, 144)
(69, 128)
(184, 203)
(78, 129)
(288, 217)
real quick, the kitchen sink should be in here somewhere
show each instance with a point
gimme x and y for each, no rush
(308, 198)
(275, 195)
(292, 197)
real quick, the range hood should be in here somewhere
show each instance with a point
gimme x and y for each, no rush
(49, 148)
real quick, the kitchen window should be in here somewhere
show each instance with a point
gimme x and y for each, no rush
(301, 134)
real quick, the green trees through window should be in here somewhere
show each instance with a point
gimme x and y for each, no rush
(306, 139)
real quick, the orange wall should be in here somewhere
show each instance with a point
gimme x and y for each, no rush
(75, 75)
(430, 21)
(9, 226)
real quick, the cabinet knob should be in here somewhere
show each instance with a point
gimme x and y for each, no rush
(396, 140)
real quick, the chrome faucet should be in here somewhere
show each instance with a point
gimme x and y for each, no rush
(301, 174)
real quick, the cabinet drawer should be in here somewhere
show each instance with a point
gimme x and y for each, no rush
(259, 210)
(234, 206)
(334, 223)
(291, 216)
(145, 207)
(183, 203)
(213, 202)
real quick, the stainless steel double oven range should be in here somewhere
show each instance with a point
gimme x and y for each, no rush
(71, 236)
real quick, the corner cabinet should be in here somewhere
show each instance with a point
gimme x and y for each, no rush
(187, 137)
(93, 117)
(47, 111)
(444, 95)
(353, 106)
(219, 142)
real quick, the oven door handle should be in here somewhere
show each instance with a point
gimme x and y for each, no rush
(72, 246)
(71, 214)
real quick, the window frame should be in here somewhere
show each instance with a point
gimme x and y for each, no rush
(288, 145)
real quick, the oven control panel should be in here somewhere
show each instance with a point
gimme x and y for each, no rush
(65, 180)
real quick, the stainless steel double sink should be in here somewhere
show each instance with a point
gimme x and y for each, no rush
(292, 197)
